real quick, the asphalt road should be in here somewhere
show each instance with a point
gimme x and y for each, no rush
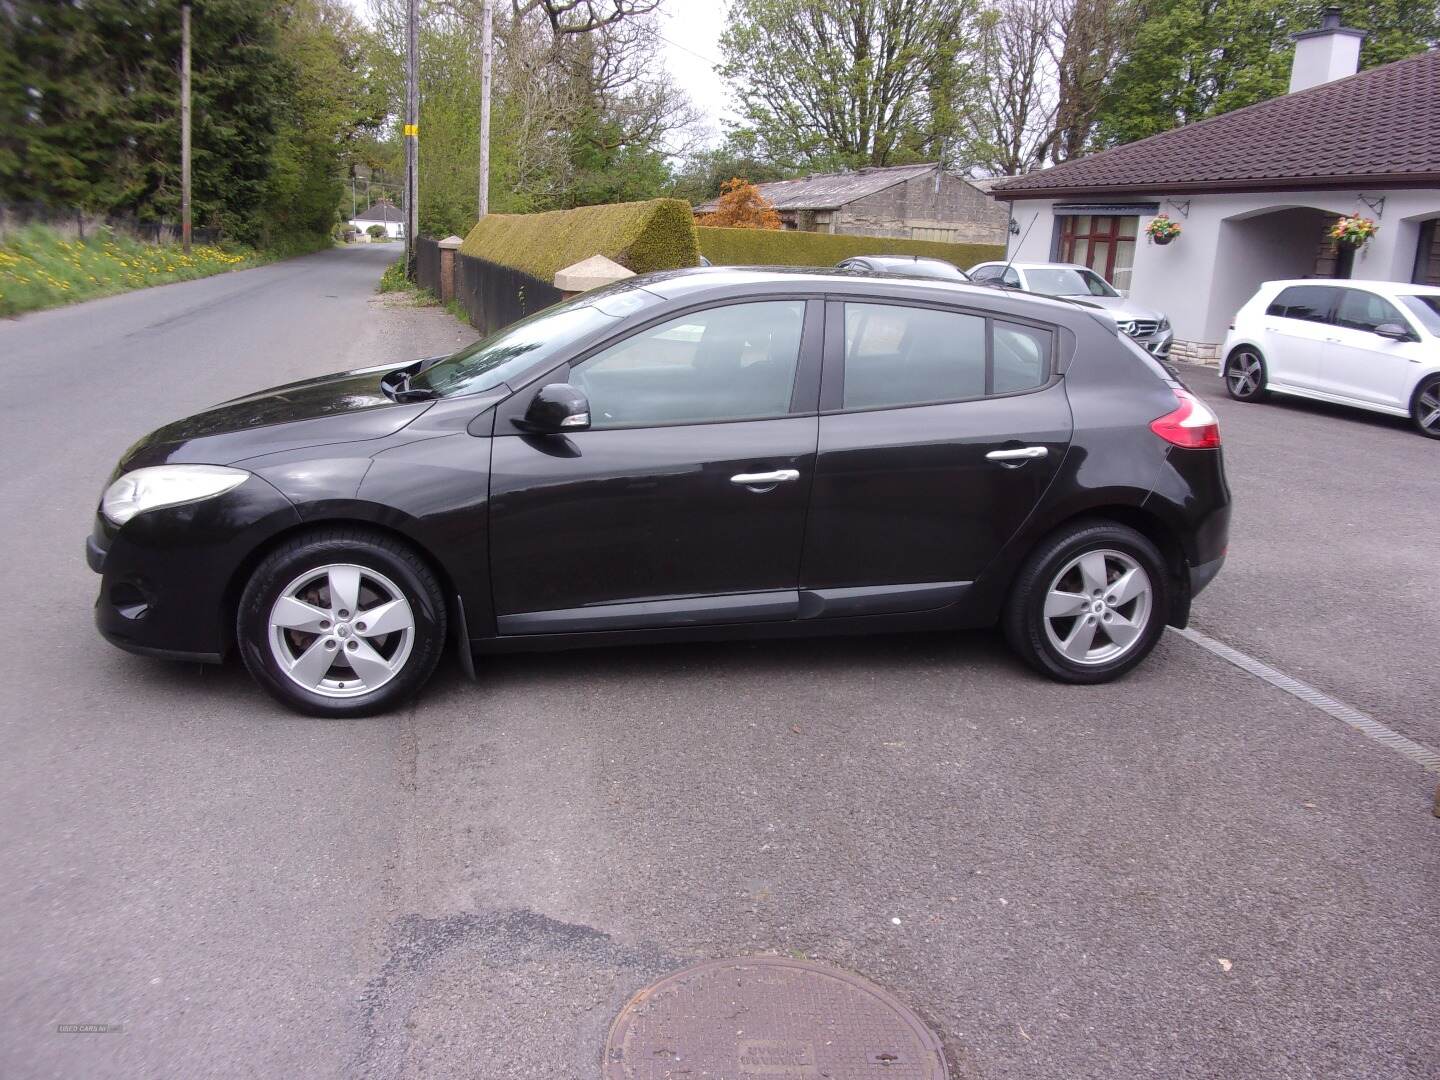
(1187, 874)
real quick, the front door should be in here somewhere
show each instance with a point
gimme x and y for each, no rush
(1362, 365)
(684, 504)
(943, 432)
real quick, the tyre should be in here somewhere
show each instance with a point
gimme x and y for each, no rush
(341, 623)
(1425, 408)
(1089, 603)
(1245, 374)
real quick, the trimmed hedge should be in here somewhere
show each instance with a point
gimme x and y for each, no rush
(642, 236)
(771, 247)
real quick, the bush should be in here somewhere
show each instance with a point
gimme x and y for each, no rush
(643, 236)
(376, 231)
(762, 247)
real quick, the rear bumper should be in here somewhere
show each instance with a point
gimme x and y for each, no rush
(1202, 575)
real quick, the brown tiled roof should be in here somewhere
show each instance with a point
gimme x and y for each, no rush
(1380, 127)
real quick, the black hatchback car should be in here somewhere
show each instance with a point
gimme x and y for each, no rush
(697, 454)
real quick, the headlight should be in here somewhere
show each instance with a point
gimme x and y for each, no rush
(1164, 323)
(166, 485)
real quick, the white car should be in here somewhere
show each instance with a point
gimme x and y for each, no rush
(1371, 344)
(1149, 328)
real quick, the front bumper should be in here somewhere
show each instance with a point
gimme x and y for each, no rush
(167, 576)
(1157, 344)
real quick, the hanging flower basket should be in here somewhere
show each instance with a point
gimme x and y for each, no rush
(1353, 233)
(1162, 230)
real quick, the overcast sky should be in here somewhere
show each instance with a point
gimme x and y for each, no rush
(691, 29)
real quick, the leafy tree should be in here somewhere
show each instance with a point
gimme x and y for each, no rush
(848, 82)
(1195, 58)
(741, 206)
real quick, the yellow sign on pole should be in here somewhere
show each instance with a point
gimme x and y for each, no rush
(412, 131)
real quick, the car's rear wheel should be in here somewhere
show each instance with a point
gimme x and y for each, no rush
(1425, 409)
(341, 623)
(1245, 374)
(1089, 603)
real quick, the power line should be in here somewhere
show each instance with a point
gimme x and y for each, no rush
(692, 52)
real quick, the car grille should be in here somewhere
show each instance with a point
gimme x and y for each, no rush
(1139, 327)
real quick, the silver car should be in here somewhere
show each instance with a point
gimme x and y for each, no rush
(1149, 328)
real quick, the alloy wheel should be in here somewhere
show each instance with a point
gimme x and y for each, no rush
(1243, 373)
(341, 630)
(1427, 409)
(1098, 606)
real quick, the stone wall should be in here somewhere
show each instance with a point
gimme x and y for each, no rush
(951, 211)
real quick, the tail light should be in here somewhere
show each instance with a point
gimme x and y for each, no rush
(1191, 424)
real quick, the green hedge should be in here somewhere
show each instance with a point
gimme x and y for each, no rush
(778, 247)
(643, 236)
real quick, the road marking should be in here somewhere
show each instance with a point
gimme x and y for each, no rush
(1415, 752)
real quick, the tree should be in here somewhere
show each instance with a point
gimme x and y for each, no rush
(847, 82)
(741, 206)
(1012, 119)
(1195, 58)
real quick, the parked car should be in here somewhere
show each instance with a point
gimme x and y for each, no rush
(1371, 344)
(694, 454)
(908, 265)
(1150, 328)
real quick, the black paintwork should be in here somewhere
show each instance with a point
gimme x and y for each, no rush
(637, 534)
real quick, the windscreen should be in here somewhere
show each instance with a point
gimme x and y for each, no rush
(1066, 281)
(518, 347)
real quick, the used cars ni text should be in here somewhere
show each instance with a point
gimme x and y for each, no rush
(696, 454)
(1369, 344)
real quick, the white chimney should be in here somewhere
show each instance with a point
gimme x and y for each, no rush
(1327, 54)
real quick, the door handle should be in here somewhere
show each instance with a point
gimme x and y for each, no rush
(761, 479)
(1020, 456)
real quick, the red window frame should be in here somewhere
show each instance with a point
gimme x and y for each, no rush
(1106, 235)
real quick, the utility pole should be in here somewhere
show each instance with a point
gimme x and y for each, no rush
(185, 126)
(487, 55)
(412, 135)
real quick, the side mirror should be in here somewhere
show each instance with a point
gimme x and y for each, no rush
(1393, 331)
(556, 409)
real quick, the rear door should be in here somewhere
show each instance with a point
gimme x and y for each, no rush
(1361, 364)
(940, 429)
(684, 504)
(1297, 330)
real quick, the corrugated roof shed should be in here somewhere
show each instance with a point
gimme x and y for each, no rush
(1381, 126)
(829, 191)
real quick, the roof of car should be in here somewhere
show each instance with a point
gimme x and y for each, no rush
(1396, 288)
(1033, 265)
(900, 259)
(696, 281)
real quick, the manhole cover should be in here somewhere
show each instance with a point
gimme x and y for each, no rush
(771, 1018)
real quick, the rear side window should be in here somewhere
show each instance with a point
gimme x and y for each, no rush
(1359, 310)
(896, 356)
(1308, 303)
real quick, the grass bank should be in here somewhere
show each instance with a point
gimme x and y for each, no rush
(40, 268)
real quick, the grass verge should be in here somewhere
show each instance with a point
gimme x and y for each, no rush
(40, 268)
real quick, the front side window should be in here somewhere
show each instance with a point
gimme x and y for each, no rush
(1426, 308)
(897, 356)
(727, 363)
(1360, 310)
(1308, 303)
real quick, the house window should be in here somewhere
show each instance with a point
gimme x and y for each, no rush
(1427, 255)
(1103, 242)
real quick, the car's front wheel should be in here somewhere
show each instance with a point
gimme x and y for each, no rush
(1426, 408)
(341, 623)
(1245, 374)
(1089, 603)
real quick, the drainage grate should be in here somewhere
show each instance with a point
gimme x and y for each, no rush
(769, 1018)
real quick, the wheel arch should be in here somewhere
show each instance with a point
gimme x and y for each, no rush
(242, 572)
